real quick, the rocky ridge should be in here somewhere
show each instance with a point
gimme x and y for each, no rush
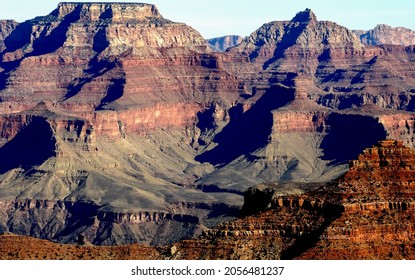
(384, 34)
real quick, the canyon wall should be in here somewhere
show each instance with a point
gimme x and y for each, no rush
(112, 105)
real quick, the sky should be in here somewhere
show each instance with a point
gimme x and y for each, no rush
(216, 18)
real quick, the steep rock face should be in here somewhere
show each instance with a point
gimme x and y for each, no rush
(115, 11)
(223, 43)
(384, 34)
(302, 37)
(345, 73)
(378, 207)
(74, 44)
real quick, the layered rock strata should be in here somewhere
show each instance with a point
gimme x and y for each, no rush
(365, 214)
(113, 105)
(115, 85)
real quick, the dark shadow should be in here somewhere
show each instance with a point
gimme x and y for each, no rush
(100, 42)
(411, 104)
(30, 147)
(335, 77)
(217, 189)
(115, 91)
(50, 43)
(360, 77)
(209, 61)
(348, 135)
(249, 131)
(309, 240)
(223, 210)
(97, 68)
(351, 101)
(108, 14)
(206, 120)
(81, 215)
(325, 56)
(16, 40)
(5, 74)
(291, 33)
(21, 36)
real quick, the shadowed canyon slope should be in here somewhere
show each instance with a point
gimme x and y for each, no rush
(124, 126)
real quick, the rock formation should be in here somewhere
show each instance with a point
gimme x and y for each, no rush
(223, 43)
(105, 124)
(365, 214)
(384, 34)
(112, 110)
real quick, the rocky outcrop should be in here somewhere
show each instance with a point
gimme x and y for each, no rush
(384, 34)
(301, 38)
(117, 12)
(223, 43)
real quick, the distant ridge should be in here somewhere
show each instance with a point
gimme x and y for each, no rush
(384, 34)
(225, 42)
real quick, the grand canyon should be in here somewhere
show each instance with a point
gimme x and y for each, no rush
(125, 135)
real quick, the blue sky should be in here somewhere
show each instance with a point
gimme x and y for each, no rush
(241, 17)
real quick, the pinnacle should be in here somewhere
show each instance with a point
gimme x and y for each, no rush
(305, 16)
